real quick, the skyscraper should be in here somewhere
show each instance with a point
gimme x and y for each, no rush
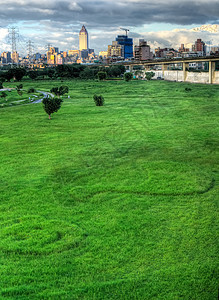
(127, 44)
(83, 39)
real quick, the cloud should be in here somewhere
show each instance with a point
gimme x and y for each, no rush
(174, 38)
(112, 13)
(103, 18)
(74, 7)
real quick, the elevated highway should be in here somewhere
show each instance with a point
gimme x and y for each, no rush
(212, 76)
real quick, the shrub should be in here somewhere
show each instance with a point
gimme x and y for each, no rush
(3, 95)
(31, 90)
(149, 75)
(33, 74)
(99, 100)
(101, 75)
(20, 93)
(128, 76)
(20, 86)
(188, 89)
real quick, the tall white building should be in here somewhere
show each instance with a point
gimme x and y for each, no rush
(83, 39)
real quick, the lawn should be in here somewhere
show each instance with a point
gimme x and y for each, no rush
(13, 97)
(112, 202)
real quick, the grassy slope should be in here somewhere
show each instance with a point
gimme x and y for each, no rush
(113, 202)
(13, 98)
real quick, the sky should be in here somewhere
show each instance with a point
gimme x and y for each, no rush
(163, 23)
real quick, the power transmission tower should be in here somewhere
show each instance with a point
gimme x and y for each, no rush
(13, 35)
(30, 47)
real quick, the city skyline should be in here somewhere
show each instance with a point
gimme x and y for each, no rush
(57, 22)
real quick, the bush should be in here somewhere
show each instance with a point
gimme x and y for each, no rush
(99, 100)
(31, 90)
(60, 91)
(3, 95)
(149, 75)
(20, 86)
(101, 75)
(188, 89)
(33, 74)
(128, 76)
(20, 93)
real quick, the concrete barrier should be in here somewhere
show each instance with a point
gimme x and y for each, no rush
(196, 77)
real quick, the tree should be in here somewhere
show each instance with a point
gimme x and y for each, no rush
(2, 78)
(51, 105)
(63, 89)
(31, 90)
(128, 76)
(1, 85)
(33, 74)
(114, 71)
(59, 91)
(101, 75)
(3, 95)
(8, 75)
(51, 73)
(20, 93)
(87, 73)
(18, 73)
(18, 88)
(122, 68)
(149, 75)
(99, 100)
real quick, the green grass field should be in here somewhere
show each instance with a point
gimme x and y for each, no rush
(112, 202)
(13, 98)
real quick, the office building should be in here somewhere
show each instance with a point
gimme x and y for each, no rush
(83, 39)
(127, 44)
(142, 51)
(199, 47)
(15, 57)
(6, 57)
(51, 55)
(115, 50)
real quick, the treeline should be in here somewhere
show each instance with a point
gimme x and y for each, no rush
(61, 72)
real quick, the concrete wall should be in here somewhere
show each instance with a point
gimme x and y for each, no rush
(216, 77)
(196, 77)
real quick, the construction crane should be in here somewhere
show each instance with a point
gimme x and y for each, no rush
(126, 30)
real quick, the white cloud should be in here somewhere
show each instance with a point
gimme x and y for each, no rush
(174, 38)
(74, 7)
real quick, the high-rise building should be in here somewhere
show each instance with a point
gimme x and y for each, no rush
(83, 39)
(15, 57)
(142, 51)
(199, 47)
(51, 55)
(115, 50)
(127, 44)
(6, 57)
